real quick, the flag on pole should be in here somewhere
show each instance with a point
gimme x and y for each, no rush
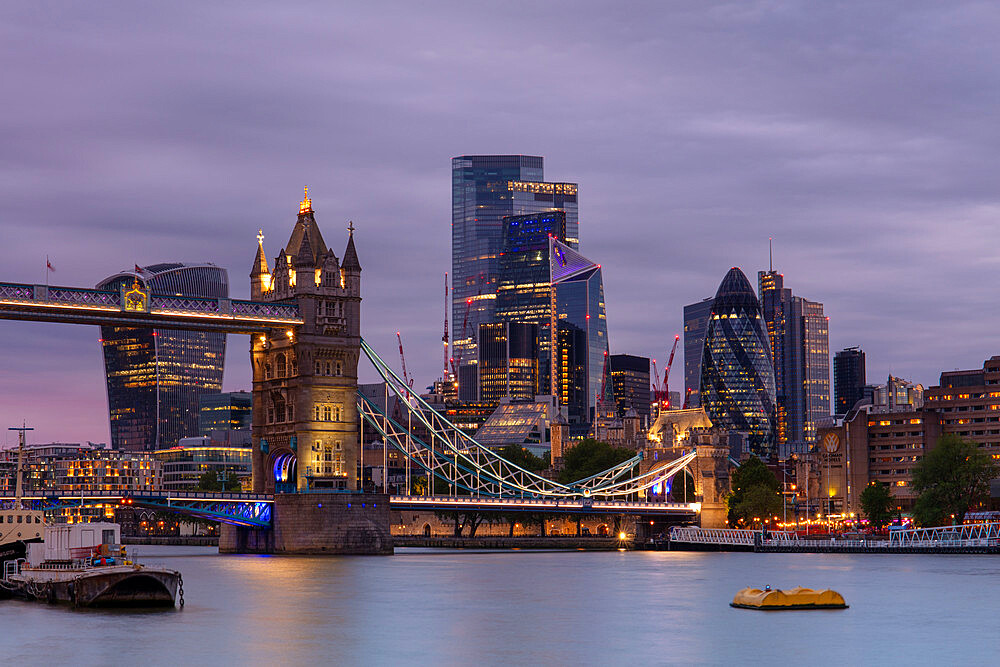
(48, 264)
(138, 269)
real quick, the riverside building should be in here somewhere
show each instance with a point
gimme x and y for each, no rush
(884, 442)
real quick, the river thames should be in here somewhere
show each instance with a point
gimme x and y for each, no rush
(521, 607)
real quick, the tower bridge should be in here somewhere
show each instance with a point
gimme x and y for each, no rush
(304, 322)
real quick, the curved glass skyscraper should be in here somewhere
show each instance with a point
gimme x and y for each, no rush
(155, 376)
(737, 375)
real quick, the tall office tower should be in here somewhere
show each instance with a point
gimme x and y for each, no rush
(696, 316)
(800, 347)
(524, 293)
(508, 361)
(155, 376)
(630, 382)
(485, 189)
(737, 378)
(578, 290)
(848, 378)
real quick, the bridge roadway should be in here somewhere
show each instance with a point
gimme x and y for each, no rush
(255, 509)
(74, 305)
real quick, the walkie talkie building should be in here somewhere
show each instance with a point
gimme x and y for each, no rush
(155, 376)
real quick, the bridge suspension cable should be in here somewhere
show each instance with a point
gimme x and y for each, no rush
(457, 458)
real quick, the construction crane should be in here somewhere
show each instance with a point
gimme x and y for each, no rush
(444, 338)
(666, 374)
(687, 397)
(402, 360)
(457, 361)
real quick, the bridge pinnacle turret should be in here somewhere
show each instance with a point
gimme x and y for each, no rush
(305, 206)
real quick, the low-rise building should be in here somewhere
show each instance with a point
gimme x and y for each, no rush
(185, 464)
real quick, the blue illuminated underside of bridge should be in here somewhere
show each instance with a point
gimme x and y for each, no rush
(251, 510)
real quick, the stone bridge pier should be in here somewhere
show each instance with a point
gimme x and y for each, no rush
(712, 483)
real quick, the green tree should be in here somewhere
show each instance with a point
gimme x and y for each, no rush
(878, 504)
(951, 479)
(521, 457)
(209, 481)
(589, 457)
(755, 494)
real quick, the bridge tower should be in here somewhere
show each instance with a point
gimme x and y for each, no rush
(305, 421)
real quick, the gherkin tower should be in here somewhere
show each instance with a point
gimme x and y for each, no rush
(737, 374)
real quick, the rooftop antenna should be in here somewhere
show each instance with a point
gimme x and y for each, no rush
(770, 254)
(19, 487)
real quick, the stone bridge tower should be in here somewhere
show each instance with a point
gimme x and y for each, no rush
(305, 421)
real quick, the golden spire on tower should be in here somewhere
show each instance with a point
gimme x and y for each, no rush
(305, 206)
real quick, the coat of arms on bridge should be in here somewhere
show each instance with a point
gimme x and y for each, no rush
(135, 300)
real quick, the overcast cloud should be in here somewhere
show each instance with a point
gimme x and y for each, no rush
(861, 136)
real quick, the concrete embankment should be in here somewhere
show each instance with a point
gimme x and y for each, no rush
(497, 542)
(173, 540)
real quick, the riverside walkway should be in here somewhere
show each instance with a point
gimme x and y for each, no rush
(972, 538)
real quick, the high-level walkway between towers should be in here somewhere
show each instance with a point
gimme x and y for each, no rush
(137, 307)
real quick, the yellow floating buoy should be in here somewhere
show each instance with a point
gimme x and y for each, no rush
(796, 598)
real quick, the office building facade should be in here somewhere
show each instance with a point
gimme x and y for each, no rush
(631, 382)
(578, 286)
(155, 377)
(230, 411)
(696, 317)
(848, 378)
(799, 336)
(525, 290)
(508, 361)
(485, 189)
(737, 376)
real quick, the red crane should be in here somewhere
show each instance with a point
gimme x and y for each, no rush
(666, 375)
(687, 397)
(402, 360)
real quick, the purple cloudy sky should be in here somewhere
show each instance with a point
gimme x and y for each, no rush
(861, 136)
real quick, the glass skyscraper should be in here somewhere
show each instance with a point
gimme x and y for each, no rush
(525, 293)
(848, 378)
(696, 316)
(580, 312)
(631, 382)
(737, 376)
(800, 347)
(508, 361)
(156, 376)
(485, 189)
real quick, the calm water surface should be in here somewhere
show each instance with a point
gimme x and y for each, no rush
(561, 608)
